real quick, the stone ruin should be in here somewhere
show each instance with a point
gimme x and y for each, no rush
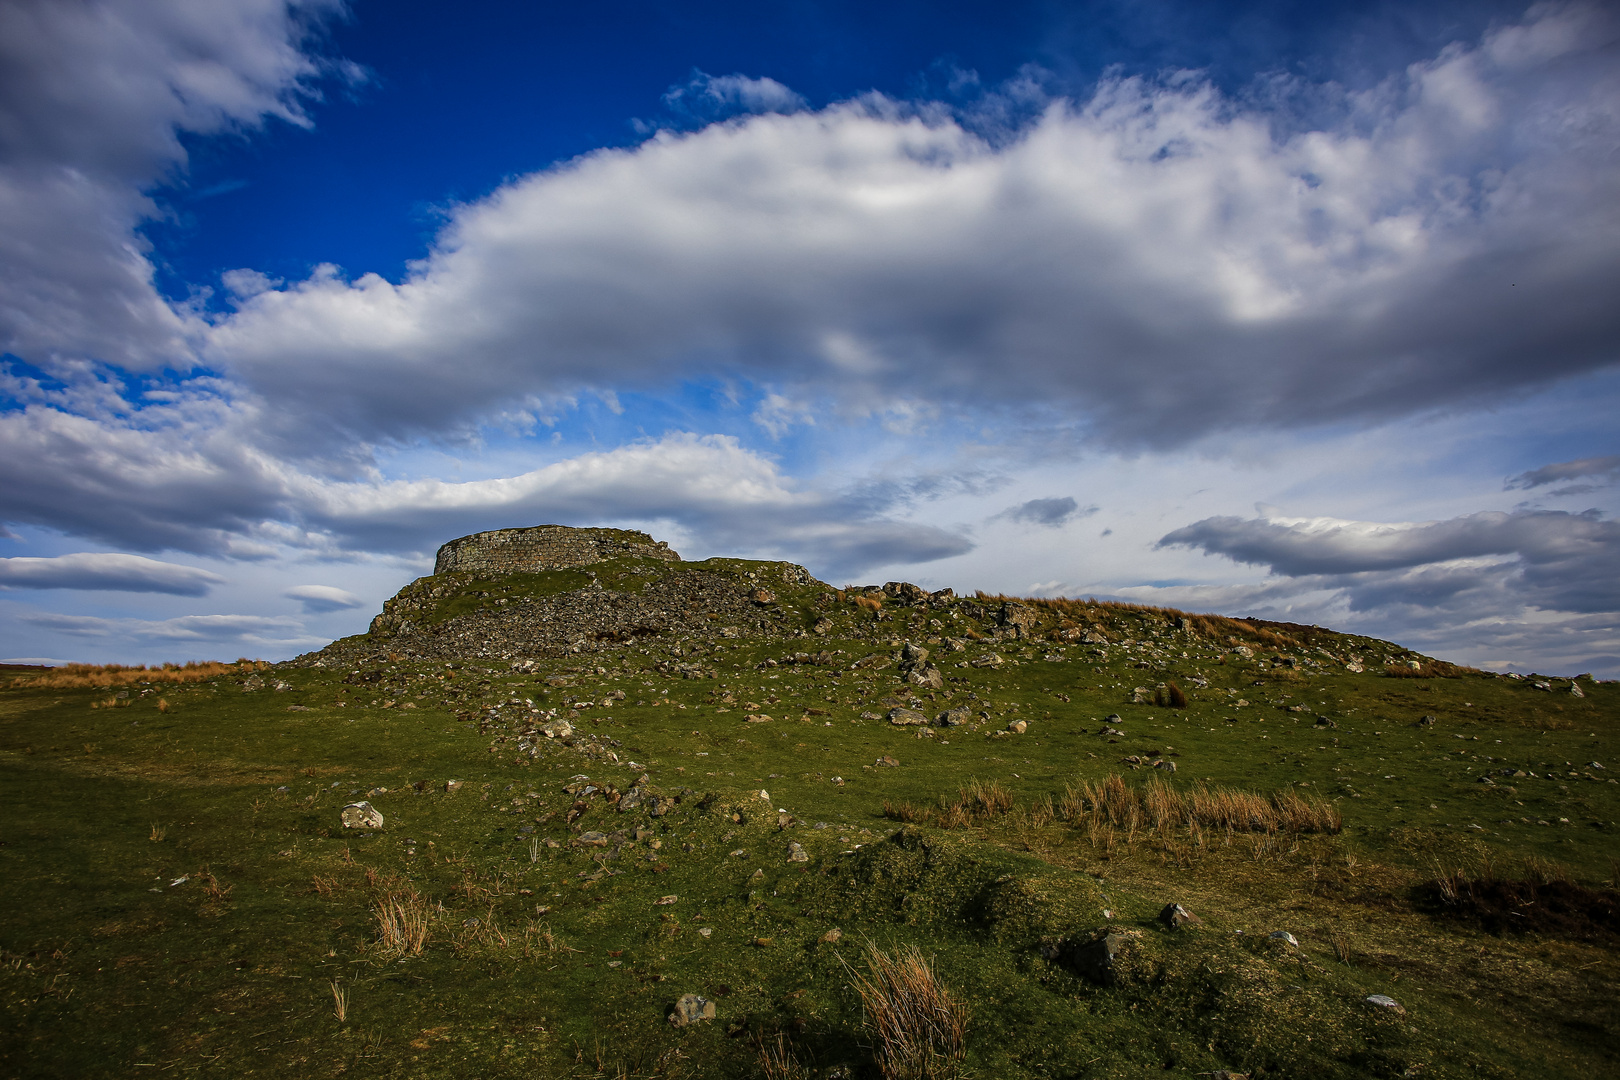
(544, 547)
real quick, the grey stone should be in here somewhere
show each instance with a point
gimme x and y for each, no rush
(362, 815)
(1383, 1001)
(796, 853)
(591, 839)
(954, 717)
(926, 676)
(1018, 727)
(1098, 960)
(1285, 937)
(690, 1009)
(906, 717)
(1176, 917)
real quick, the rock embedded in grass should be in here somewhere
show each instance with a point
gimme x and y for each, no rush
(1097, 960)
(1176, 917)
(362, 815)
(690, 1008)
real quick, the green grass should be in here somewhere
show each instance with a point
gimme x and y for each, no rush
(571, 967)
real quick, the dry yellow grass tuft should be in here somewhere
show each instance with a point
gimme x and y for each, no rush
(340, 1001)
(79, 676)
(921, 1029)
(402, 923)
(1159, 806)
(975, 801)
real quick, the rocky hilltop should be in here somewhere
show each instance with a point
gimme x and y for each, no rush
(551, 591)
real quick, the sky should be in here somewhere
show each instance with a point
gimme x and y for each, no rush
(1301, 311)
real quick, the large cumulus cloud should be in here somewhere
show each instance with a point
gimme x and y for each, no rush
(95, 96)
(1163, 259)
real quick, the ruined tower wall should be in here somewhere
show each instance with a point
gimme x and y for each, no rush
(544, 547)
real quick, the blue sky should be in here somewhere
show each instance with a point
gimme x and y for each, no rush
(1296, 310)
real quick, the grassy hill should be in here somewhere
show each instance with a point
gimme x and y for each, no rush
(588, 816)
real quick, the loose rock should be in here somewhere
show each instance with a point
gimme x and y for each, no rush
(690, 1009)
(1176, 917)
(1383, 1001)
(362, 815)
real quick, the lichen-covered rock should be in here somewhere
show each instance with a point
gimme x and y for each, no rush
(690, 1008)
(362, 815)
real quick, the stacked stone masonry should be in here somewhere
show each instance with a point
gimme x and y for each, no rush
(544, 547)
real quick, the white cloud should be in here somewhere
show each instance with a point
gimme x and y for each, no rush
(94, 99)
(323, 598)
(246, 629)
(1563, 561)
(106, 570)
(706, 98)
(191, 485)
(1153, 257)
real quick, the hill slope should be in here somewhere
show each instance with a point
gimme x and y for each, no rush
(605, 787)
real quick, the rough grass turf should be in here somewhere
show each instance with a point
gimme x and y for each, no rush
(461, 945)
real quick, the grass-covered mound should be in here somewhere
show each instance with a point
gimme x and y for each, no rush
(729, 822)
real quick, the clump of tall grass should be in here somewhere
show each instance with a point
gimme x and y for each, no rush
(402, 923)
(1170, 696)
(1113, 803)
(975, 801)
(777, 1060)
(340, 1001)
(921, 1028)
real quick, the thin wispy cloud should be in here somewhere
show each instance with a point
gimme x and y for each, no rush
(106, 571)
(1052, 513)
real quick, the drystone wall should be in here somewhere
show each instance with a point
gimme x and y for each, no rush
(544, 547)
